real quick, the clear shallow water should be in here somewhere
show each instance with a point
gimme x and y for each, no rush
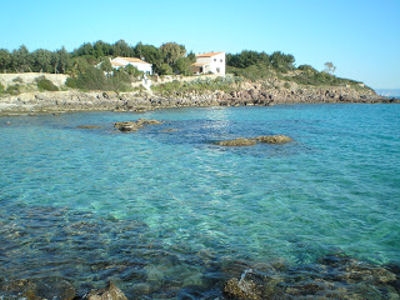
(165, 209)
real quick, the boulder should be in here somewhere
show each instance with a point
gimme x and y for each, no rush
(110, 293)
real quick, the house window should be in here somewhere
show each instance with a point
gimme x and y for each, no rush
(215, 59)
(218, 70)
(220, 60)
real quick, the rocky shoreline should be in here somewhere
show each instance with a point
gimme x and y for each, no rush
(251, 94)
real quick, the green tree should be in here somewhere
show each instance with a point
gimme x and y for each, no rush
(172, 52)
(42, 61)
(150, 54)
(183, 66)
(102, 49)
(329, 67)
(132, 71)
(282, 62)
(61, 61)
(106, 65)
(21, 59)
(83, 50)
(5, 60)
(166, 69)
(121, 48)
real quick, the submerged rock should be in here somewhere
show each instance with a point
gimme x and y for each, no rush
(334, 277)
(237, 142)
(88, 127)
(135, 125)
(268, 139)
(38, 289)
(110, 293)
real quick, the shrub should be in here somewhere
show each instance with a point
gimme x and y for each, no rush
(45, 85)
(14, 89)
(18, 80)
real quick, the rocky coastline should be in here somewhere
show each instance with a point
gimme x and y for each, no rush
(249, 95)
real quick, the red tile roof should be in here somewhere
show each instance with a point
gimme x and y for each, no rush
(130, 59)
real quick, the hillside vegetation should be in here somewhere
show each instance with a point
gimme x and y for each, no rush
(87, 66)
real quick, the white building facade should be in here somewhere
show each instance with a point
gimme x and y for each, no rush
(139, 64)
(210, 63)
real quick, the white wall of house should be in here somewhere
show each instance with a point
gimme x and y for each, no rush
(135, 62)
(213, 62)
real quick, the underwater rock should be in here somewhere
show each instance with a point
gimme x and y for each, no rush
(274, 139)
(88, 127)
(110, 293)
(333, 277)
(237, 142)
(135, 125)
(268, 139)
(38, 289)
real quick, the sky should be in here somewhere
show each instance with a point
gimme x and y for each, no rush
(360, 37)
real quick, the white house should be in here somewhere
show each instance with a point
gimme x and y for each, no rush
(211, 62)
(139, 64)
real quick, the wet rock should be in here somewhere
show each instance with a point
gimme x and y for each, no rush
(274, 139)
(242, 289)
(135, 125)
(110, 293)
(237, 142)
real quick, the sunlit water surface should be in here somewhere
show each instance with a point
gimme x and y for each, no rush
(164, 208)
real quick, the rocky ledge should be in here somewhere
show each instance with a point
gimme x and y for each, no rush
(249, 94)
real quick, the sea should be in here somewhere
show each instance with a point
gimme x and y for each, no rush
(166, 213)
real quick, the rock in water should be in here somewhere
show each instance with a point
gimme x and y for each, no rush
(268, 139)
(111, 293)
(274, 139)
(135, 125)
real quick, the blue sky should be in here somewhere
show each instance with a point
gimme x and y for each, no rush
(361, 38)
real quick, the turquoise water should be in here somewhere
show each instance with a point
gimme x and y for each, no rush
(163, 209)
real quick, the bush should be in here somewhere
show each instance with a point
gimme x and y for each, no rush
(18, 80)
(94, 79)
(91, 79)
(45, 85)
(2, 90)
(14, 89)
